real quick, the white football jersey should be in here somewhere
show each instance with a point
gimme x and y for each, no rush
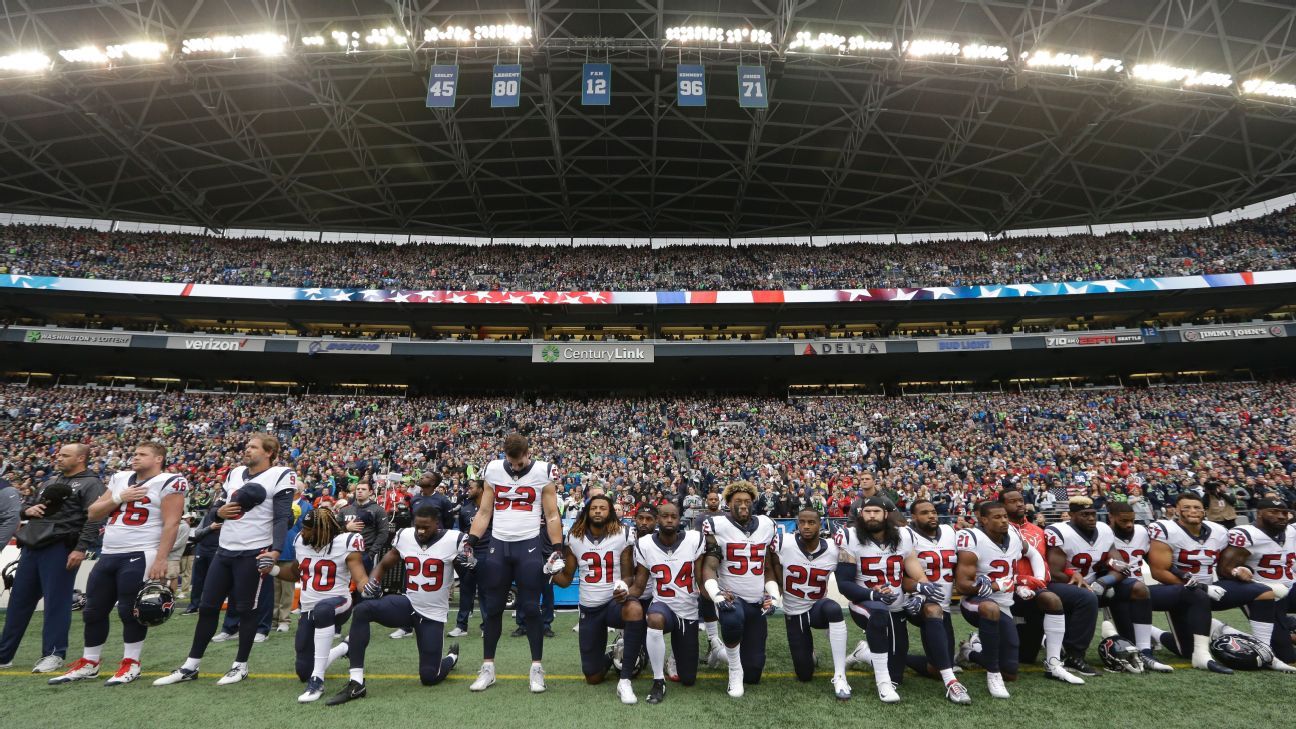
(1081, 553)
(429, 571)
(517, 514)
(939, 557)
(994, 560)
(598, 565)
(1196, 556)
(805, 576)
(1134, 549)
(879, 564)
(1272, 560)
(742, 554)
(670, 571)
(137, 526)
(254, 529)
(325, 574)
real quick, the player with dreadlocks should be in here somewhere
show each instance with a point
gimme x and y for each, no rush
(600, 549)
(326, 553)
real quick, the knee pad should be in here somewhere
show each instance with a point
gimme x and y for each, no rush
(832, 612)
(323, 616)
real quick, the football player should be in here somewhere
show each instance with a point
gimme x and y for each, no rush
(326, 556)
(671, 560)
(1185, 551)
(874, 558)
(805, 563)
(1084, 549)
(1264, 553)
(256, 513)
(740, 556)
(143, 508)
(599, 553)
(936, 546)
(427, 554)
(716, 655)
(526, 543)
(1065, 617)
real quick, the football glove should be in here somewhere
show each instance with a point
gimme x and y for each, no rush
(768, 604)
(914, 603)
(984, 588)
(886, 598)
(466, 558)
(1025, 593)
(372, 590)
(1032, 582)
(1125, 568)
(554, 564)
(1191, 581)
(265, 561)
(1216, 592)
(930, 591)
(726, 601)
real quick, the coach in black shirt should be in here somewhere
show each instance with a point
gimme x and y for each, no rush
(54, 542)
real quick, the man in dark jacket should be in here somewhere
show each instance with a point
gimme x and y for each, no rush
(206, 539)
(366, 516)
(54, 543)
(469, 586)
(11, 508)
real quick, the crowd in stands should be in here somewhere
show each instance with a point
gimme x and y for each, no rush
(1232, 441)
(1252, 245)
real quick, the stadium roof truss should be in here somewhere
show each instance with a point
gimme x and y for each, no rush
(849, 144)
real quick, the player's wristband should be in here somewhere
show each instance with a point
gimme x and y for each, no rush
(771, 589)
(274, 571)
(117, 499)
(1069, 572)
(713, 589)
(1183, 576)
(473, 540)
(620, 586)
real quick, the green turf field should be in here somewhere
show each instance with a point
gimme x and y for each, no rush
(268, 699)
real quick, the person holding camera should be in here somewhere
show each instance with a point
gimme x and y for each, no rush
(1220, 503)
(54, 542)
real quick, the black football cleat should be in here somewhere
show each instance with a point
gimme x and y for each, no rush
(1214, 667)
(1078, 664)
(353, 690)
(658, 692)
(519, 632)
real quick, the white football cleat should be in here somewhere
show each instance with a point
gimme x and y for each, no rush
(485, 678)
(967, 648)
(80, 670)
(995, 685)
(536, 678)
(672, 671)
(1054, 669)
(48, 664)
(626, 693)
(717, 657)
(261, 638)
(180, 675)
(861, 656)
(957, 693)
(1277, 665)
(841, 688)
(314, 690)
(887, 693)
(222, 636)
(234, 675)
(128, 671)
(399, 633)
(736, 684)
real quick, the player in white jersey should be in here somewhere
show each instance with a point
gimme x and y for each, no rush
(256, 510)
(806, 562)
(1264, 553)
(599, 553)
(525, 549)
(1182, 555)
(329, 560)
(143, 508)
(427, 554)
(875, 560)
(986, 575)
(739, 574)
(1085, 548)
(936, 547)
(672, 561)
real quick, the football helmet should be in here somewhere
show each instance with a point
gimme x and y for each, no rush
(78, 600)
(153, 604)
(1241, 652)
(9, 572)
(1119, 655)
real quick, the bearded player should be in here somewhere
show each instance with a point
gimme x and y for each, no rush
(526, 548)
(427, 553)
(329, 560)
(143, 508)
(671, 560)
(741, 560)
(599, 552)
(1264, 553)
(806, 562)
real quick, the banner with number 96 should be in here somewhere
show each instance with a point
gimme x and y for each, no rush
(690, 85)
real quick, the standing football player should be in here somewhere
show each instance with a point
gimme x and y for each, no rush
(806, 562)
(1185, 551)
(672, 560)
(1085, 549)
(143, 508)
(526, 543)
(601, 550)
(1264, 553)
(427, 554)
(326, 555)
(740, 554)
(256, 513)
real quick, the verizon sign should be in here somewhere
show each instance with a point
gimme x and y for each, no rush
(217, 344)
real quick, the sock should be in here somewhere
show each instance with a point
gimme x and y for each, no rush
(881, 671)
(1262, 632)
(1054, 631)
(1156, 633)
(837, 641)
(947, 675)
(1143, 636)
(713, 632)
(634, 642)
(323, 649)
(1222, 628)
(735, 659)
(357, 675)
(192, 664)
(132, 650)
(988, 656)
(1201, 654)
(92, 653)
(656, 642)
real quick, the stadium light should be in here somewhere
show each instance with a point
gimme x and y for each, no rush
(312, 41)
(711, 34)
(447, 34)
(819, 42)
(265, 44)
(514, 34)
(137, 50)
(1044, 60)
(1260, 87)
(25, 61)
(983, 52)
(385, 37)
(930, 48)
(1163, 74)
(84, 54)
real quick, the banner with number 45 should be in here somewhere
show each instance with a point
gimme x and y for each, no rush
(443, 83)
